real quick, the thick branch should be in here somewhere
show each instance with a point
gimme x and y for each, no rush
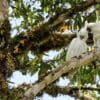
(55, 41)
(55, 74)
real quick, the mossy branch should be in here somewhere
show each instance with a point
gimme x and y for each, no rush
(42, 32)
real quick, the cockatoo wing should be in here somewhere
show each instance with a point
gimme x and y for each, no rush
(76, 48)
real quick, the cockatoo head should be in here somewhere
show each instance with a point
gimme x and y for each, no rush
(82, 34)
(87, 33)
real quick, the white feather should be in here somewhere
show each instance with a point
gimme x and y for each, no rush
(76, 48)
(78, 45)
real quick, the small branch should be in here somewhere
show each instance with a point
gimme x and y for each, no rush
(54, 90)
(57, 19)
(74, 91)
(97, 1)
(55, 74)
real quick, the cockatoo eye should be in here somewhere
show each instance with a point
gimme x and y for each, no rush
(88, 29)
(81, 37)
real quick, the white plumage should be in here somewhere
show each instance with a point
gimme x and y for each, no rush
(76, 48)
(78, 45)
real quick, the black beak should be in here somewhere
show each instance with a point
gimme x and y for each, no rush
(90, 41)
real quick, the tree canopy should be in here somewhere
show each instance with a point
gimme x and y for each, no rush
(36, 27)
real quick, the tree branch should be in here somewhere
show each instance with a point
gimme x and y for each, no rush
(54, 90)
(56, 20)
(55, 74)
(55, 41)
(42, 32)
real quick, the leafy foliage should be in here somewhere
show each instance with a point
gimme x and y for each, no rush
(35, 33)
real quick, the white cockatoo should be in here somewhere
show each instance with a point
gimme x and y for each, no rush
(89, 34)
(77, 46)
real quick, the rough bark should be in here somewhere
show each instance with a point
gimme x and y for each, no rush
(55, 74)
(3, 11)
